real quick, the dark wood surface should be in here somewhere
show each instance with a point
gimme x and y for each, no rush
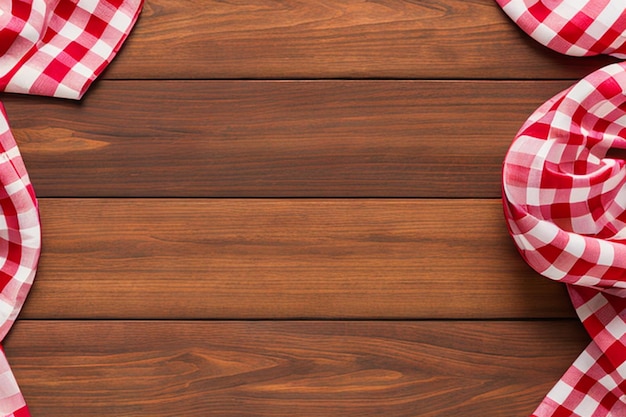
(276, 139)
(281, 258)
(269, 368)
(295, 39)
(291, 208)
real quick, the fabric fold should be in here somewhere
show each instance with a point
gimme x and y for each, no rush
(572, 27)
(20, 243)
(55, 48)
(12, 402)
(565, 206)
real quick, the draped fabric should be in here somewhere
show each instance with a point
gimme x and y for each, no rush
(564, 196)
(54, 48)
(565, 203)
(572, 27)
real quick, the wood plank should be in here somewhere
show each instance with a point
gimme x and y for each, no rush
(166, 259)
(336, 39)
(324, 369)
(275, 139)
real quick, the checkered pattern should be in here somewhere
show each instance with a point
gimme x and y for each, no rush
(565, 205)
(58, 47)
(573, 27)
(55, 48)
(19, 251)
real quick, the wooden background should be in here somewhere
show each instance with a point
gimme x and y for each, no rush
(291, 208)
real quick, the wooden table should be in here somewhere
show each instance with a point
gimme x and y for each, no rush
(291, 208)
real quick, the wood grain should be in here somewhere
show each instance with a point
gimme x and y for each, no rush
(275, 139)
(193, 259)
(325, 369)
(336, 39)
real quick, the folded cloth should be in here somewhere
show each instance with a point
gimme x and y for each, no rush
(55, 48)
(58, 47)
(19, 251)
(565, 206)
(573, 27)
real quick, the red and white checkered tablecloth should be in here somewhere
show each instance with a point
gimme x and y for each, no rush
(565, 205)
(55, 48)
(565, 197)
(573, 27)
